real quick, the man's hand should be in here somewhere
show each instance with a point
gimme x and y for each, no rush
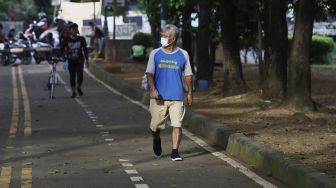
(154, 93)
(87, 64)
(189, 99)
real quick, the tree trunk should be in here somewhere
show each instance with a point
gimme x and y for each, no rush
(276, 42)
(203, 63)
(234, 82)
(299, 82)
(155, 29)
(212, 60)
(186, 33)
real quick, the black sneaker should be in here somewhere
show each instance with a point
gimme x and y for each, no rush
(80, 92)
(175, 155)
(73, 95)
(157, 144)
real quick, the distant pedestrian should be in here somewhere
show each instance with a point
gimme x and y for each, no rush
(167, 70)
(138, 52)
(11, 34)
(97, 39)
(74, 47)
(2, 36)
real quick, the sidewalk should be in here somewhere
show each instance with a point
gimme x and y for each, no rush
(268, 161)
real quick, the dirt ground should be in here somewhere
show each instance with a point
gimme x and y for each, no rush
(308, 137)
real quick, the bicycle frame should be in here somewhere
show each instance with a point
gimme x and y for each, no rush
(53, 79)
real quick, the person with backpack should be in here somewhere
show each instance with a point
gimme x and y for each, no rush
(75, 49)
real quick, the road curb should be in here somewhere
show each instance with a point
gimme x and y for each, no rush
(272, 163)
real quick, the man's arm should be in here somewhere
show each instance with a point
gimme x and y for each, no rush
(85, 51)
(189, 82)
(152, 89)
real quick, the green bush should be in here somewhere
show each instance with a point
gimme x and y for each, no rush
(321, 49)
(144, 39)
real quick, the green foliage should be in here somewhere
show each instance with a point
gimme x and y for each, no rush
(247, 22)
(17, 9)
(321, 49)
(152, 9)
(143, 39)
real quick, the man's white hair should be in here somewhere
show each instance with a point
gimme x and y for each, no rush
(173, 29)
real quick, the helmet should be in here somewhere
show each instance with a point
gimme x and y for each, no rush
(41, 15)
(72, 25)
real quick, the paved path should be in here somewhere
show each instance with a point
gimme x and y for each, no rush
(96, 141)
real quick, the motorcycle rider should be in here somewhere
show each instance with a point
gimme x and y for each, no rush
(42, 24)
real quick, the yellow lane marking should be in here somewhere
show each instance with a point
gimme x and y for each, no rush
(26, 177)
(26, 106)
(15, 113)
(5, 177)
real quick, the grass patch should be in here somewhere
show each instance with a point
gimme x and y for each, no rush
(324, 66)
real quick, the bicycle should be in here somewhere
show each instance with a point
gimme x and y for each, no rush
(52, 80)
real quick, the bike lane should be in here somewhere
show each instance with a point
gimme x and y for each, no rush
(103, 140)
(128, 124)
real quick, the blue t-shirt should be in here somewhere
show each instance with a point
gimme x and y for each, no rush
(169, 70)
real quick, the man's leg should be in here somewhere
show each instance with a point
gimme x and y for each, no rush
(72, 72)
(176, 113)
(80, 70)
(176, 137)
(159, 115)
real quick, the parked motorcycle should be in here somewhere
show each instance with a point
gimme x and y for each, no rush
(13, 50)
(42, 52)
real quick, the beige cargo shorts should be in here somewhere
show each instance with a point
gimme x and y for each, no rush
(161, 110)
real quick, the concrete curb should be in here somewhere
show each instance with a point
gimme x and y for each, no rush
(275, 164)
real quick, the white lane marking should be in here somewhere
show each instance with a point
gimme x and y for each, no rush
(230, 161)
(131, 172)
(141, 186)
(99, 126)
(197, 140)
(104, 132)
(136, 178)
(126, 164)
(109, 139)
(123, 160)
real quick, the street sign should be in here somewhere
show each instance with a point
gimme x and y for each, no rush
(120, 3)
(125, 31)
(56, 2)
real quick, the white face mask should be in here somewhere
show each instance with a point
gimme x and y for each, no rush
(164, 42)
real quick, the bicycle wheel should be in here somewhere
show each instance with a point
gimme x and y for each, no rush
(52, 84)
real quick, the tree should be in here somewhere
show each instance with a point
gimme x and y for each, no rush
(187, 32)
(274, 68)
(18, 10)
(152, 9)
(299, 82)
(234, 82)
(203, 41)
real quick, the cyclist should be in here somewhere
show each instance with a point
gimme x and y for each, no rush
(74, 47)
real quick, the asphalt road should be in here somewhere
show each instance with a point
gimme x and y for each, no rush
(96, 141)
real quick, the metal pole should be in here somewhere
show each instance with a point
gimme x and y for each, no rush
(164, 12)
(114, 53)
(94, 11)
(105, 34)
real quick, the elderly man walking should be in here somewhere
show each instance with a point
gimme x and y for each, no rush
(168, 72)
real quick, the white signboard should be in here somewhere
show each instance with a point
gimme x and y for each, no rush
(125, 31)
(118, 2)
(56, 2)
